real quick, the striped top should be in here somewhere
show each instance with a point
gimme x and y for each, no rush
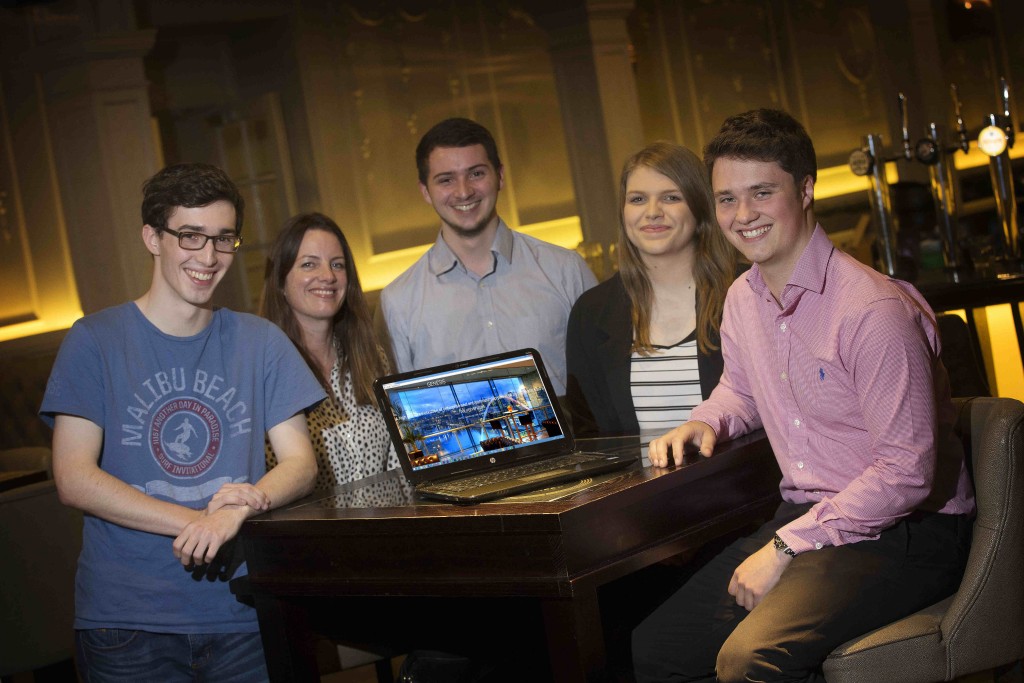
(665, 385)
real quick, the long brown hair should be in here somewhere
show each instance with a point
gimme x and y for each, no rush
(352, 326)
(714, 262)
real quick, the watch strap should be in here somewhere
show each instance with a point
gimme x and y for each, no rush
(781, 545)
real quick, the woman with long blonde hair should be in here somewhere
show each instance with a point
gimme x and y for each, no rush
(642, 348)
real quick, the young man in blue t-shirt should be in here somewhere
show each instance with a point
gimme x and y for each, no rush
(159, 408)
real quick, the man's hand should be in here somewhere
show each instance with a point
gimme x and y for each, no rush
(757, 575)
(239, 494)
(199, 542)
(694, 432)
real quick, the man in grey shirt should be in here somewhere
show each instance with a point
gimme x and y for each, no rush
(481, 288)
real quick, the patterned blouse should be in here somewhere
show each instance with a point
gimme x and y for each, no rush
(350, 440)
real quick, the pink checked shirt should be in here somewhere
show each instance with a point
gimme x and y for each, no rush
(846, 380)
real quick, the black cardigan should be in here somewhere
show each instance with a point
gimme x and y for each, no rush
(598, 347)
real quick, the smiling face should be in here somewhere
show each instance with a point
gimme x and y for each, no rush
(764, 214)
(315, 286)
(657, 220)
(463, 186)
(181, 275)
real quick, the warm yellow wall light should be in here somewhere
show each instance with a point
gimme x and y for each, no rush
(381, 269)
(35, 327)
(975, 158)
(1000, 350)
(836, 181)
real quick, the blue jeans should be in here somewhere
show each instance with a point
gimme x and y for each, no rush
(110, 655)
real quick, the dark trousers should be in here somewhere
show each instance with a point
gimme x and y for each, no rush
(824, 598)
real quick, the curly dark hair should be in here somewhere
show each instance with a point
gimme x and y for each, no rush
(190, 185)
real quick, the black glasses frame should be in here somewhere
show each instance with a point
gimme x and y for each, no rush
(221, 243)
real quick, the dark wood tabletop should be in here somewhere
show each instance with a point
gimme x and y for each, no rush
(340, 563)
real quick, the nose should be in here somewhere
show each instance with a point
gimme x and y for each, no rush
(327, 273)
(207, 255)
(746, 212)
(463, 187)
(654, 209)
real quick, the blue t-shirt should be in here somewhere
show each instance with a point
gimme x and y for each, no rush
(181, 416)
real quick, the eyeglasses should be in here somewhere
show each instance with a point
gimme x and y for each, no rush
(194, 241)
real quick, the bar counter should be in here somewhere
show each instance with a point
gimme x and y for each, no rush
(972, 292)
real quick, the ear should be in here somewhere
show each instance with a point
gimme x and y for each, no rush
(425, 193)
(807, 190)
(501, 177)
(151, 238)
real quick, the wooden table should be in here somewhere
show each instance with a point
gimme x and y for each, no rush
(331, 564)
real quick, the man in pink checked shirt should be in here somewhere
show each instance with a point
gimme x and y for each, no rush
(840, 365)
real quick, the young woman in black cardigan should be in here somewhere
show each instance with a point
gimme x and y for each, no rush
(642, 348)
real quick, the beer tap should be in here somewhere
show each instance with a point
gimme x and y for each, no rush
(1004, 91)
(901, 101)
(961, 127)
(937, 156)
(870, 160)
(996, 139)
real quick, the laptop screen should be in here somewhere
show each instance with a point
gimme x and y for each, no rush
(476, 409)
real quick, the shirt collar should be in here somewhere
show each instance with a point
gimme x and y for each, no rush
(442, 259)
(809, 273)
(810, 270)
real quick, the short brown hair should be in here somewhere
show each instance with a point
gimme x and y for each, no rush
(765, 135)
(455, 132)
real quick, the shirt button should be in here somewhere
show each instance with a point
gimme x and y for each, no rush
(784, 377)
(490, 323)
(818, 546)
(796, 422)
(782, 327)
(800, 465)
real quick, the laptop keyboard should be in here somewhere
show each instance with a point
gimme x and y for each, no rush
(521, 472)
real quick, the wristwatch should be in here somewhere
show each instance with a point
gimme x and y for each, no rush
(781, 545)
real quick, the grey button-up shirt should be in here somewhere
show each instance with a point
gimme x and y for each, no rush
(439, 312)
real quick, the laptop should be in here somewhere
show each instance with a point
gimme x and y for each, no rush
(484, 428)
